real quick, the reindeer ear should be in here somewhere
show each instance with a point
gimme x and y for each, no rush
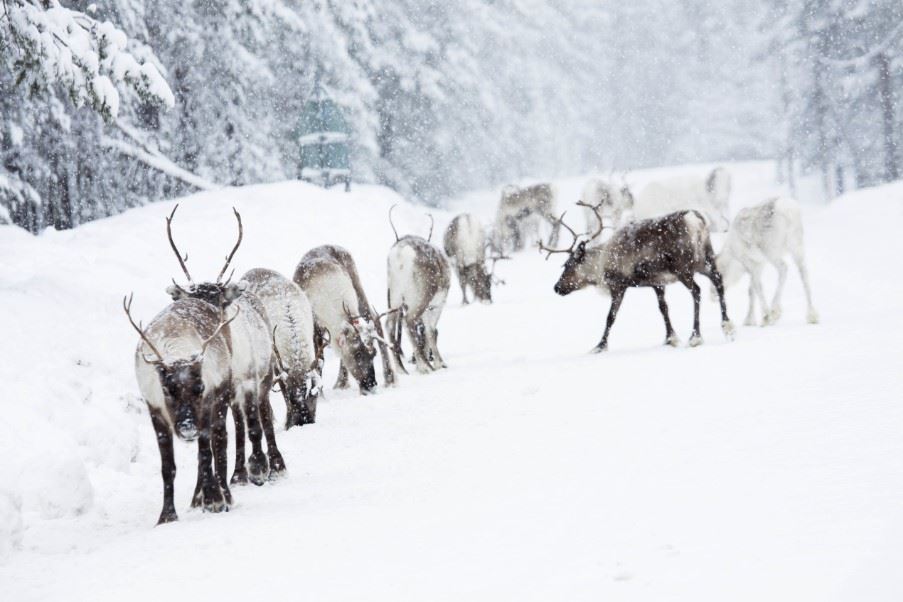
(234, 291)
(175, 292)
(341, 340)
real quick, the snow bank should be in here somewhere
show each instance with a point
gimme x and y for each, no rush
(767, 468)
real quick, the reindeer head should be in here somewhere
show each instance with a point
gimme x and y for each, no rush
(356, 343)
(577, 273)
(219, 294)
(301, 389)
(181, 380)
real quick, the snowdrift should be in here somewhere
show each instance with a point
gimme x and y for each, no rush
(768, 467)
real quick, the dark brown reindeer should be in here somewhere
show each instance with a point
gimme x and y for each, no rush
(250, 340)
(419, 279)
(649, 253)
(187, 387)
(329, 278)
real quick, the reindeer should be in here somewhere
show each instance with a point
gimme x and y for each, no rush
(650, 253)
(465, 244)
(766, 232)
(251, 361)
(419, 279)
(329, 277)
(709, 196)
(613, 201)
(521, 209)
(296, 368)
(182, 364)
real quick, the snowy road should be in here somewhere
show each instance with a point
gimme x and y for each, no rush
(767, 468)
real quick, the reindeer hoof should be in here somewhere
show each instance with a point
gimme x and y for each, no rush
(673, 340)
(728, 329)
(812, 317)
(277, 466)
(750, 321)
(772, 316)
(695, 340)
(167, 516)
(599, 349)
(257, 468)
(240, 476)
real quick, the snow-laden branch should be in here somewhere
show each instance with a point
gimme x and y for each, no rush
(144, 152)
(864, 60)
(57, 45)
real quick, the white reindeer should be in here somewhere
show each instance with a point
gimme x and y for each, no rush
(709, 196)
(766, 233)
(613, 202)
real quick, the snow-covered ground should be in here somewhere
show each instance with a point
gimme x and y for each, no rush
(770, 468)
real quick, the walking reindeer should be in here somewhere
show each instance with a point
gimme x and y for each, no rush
(419, 278)
(249, 336)
(182, 364)
(650, 253)
(766, 233)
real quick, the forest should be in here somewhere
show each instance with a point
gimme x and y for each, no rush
(114, 104)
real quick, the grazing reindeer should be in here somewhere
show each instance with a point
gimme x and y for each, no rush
(329, 277)
(419, 279)
(650, 253)
(709, 196)
(611, 200)
(766, 232)
(521, 207)
(465, 244)
(295, 365)
(182, 366)
(252, 358)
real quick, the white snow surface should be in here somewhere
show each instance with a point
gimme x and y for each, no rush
(770, 468)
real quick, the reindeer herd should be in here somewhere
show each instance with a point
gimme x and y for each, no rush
(223, 346)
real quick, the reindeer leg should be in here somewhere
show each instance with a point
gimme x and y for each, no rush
(213, 498)
(462, 280)
(751, 313)
(775, 312)
(240, 474)
(812, 315)
(167, 466)
(755, 283)
(712, 273)
(257, 461)
(342, 381)
(690, 283)
(670, 336)
(617, 295)
(415, 331)
(221, 444)
(393, 326)
(277, 464)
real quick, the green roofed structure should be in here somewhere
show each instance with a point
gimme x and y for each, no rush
(324, 141)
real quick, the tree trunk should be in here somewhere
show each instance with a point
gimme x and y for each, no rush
(888, 113)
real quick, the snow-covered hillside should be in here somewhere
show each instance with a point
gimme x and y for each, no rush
(766, 468)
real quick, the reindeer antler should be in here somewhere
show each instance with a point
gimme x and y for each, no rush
(595, 210)
(432, 223)
(549, 251)
(217, 331)
(175, 249)
(234, 249)
(127, 306)
(391, 223)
